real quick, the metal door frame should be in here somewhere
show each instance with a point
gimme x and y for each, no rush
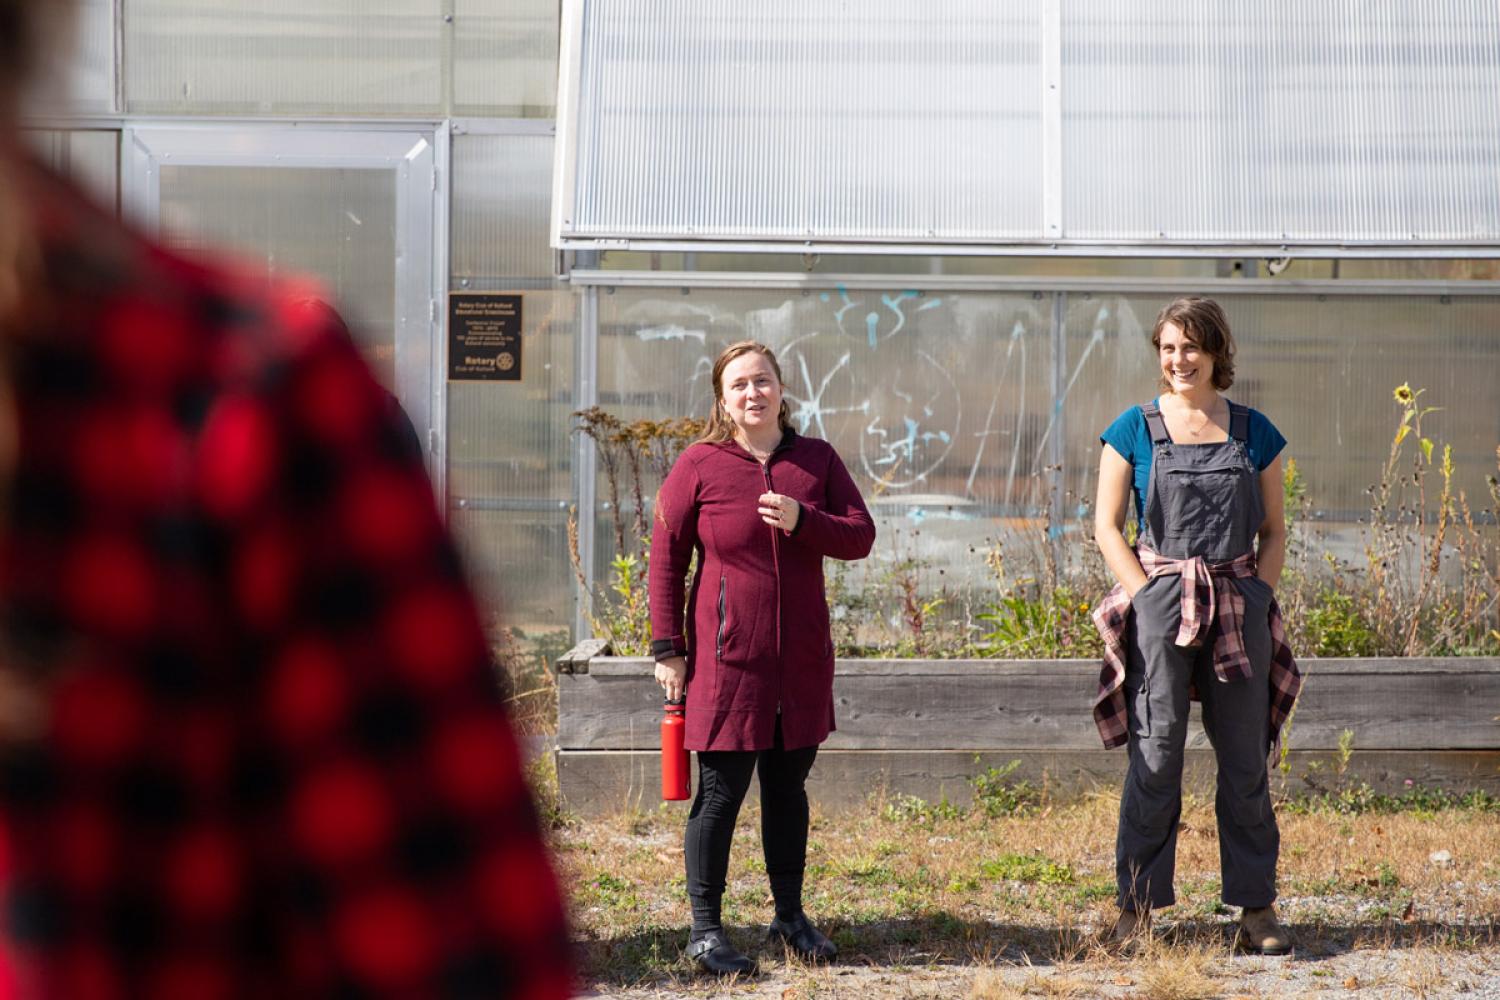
(419, 156)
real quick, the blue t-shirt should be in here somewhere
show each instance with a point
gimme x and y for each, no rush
(1129, 436)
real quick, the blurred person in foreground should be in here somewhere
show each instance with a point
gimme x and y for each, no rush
(250, 744)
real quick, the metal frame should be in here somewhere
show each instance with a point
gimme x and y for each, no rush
(585, 460)
(565, 160)
(420, 160)
(585, 277)
(710, 243)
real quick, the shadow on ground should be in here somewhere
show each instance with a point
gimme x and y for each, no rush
(653, 955)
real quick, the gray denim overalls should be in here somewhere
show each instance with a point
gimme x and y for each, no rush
(1201, 500)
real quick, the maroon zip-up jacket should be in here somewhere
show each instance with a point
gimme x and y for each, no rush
(755, 632)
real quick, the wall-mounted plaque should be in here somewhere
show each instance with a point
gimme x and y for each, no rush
(484, 336)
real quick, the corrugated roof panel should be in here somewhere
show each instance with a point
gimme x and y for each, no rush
(789, 119)
(1281, 121)
(1182, 123)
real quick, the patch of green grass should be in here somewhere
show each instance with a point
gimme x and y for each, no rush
(1360, 799)
(900, 808)
(995, 794)
(611, 892)
(867, 871)
(1092, 891)
(1029, 868)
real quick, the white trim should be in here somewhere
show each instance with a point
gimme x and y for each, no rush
(503, 126)
(564, 152)
(1052, 126)
(1058, 248)
(442, 200)
(1017, 284)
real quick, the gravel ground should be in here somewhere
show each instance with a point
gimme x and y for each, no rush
(1359, 972)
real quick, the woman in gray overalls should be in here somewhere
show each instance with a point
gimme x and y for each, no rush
(1194, 614)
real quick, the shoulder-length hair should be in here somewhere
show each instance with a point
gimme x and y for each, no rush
(720, 427)
(1205, 324)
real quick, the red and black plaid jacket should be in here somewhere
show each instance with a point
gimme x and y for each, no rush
(275, 762)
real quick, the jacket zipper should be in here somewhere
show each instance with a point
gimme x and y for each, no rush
(776, 564)
(719, 639)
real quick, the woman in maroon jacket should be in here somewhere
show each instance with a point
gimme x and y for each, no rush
(762, 506)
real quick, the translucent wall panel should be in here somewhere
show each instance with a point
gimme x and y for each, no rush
(1281, 121)
(1323, 371)
(367, 57)
(881, 120)
(338, 225)
(89, 157)
(518, 563)
(81, 79)
(511, 441)
(502, 197)
(505, 57)
(510, 444)
(939, 403)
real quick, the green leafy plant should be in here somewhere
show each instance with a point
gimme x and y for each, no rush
(996, 794)
(1054, 624)
(1027, 868)
(1335, 626)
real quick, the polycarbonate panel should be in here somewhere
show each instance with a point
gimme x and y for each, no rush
(367, 57)
(1282, 121)
(937, 402)
(1322, 371)
(505, 58)
(88, 157)
(502, 200)
(791, 119)
(511, 441)
(336, 224)
(81, 77)
(518, 562)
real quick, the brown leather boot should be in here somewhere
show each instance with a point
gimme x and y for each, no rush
(1261, 932)
(1130, 926)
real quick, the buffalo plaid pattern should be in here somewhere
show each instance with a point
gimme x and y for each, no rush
(1208, 610)
(275, 761)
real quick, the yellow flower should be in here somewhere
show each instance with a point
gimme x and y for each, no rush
(1403, 394)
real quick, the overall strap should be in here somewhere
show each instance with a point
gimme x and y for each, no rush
(1155, 424)
(1239, 422)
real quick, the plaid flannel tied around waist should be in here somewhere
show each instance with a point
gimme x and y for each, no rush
(1203, 602)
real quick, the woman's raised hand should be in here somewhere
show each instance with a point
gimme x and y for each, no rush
(779, 511)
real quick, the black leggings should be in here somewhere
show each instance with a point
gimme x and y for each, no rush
(723, 780)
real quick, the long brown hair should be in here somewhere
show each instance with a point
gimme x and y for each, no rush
(720, 427)
(1205, 324)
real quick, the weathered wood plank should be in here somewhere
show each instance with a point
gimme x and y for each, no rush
(1389, 704)
(594, 783)
(577, 659)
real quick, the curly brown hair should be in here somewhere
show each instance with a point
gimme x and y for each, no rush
(1205, 324)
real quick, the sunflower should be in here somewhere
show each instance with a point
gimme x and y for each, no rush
(1404, 394)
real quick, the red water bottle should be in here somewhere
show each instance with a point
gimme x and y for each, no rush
(674, 756)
